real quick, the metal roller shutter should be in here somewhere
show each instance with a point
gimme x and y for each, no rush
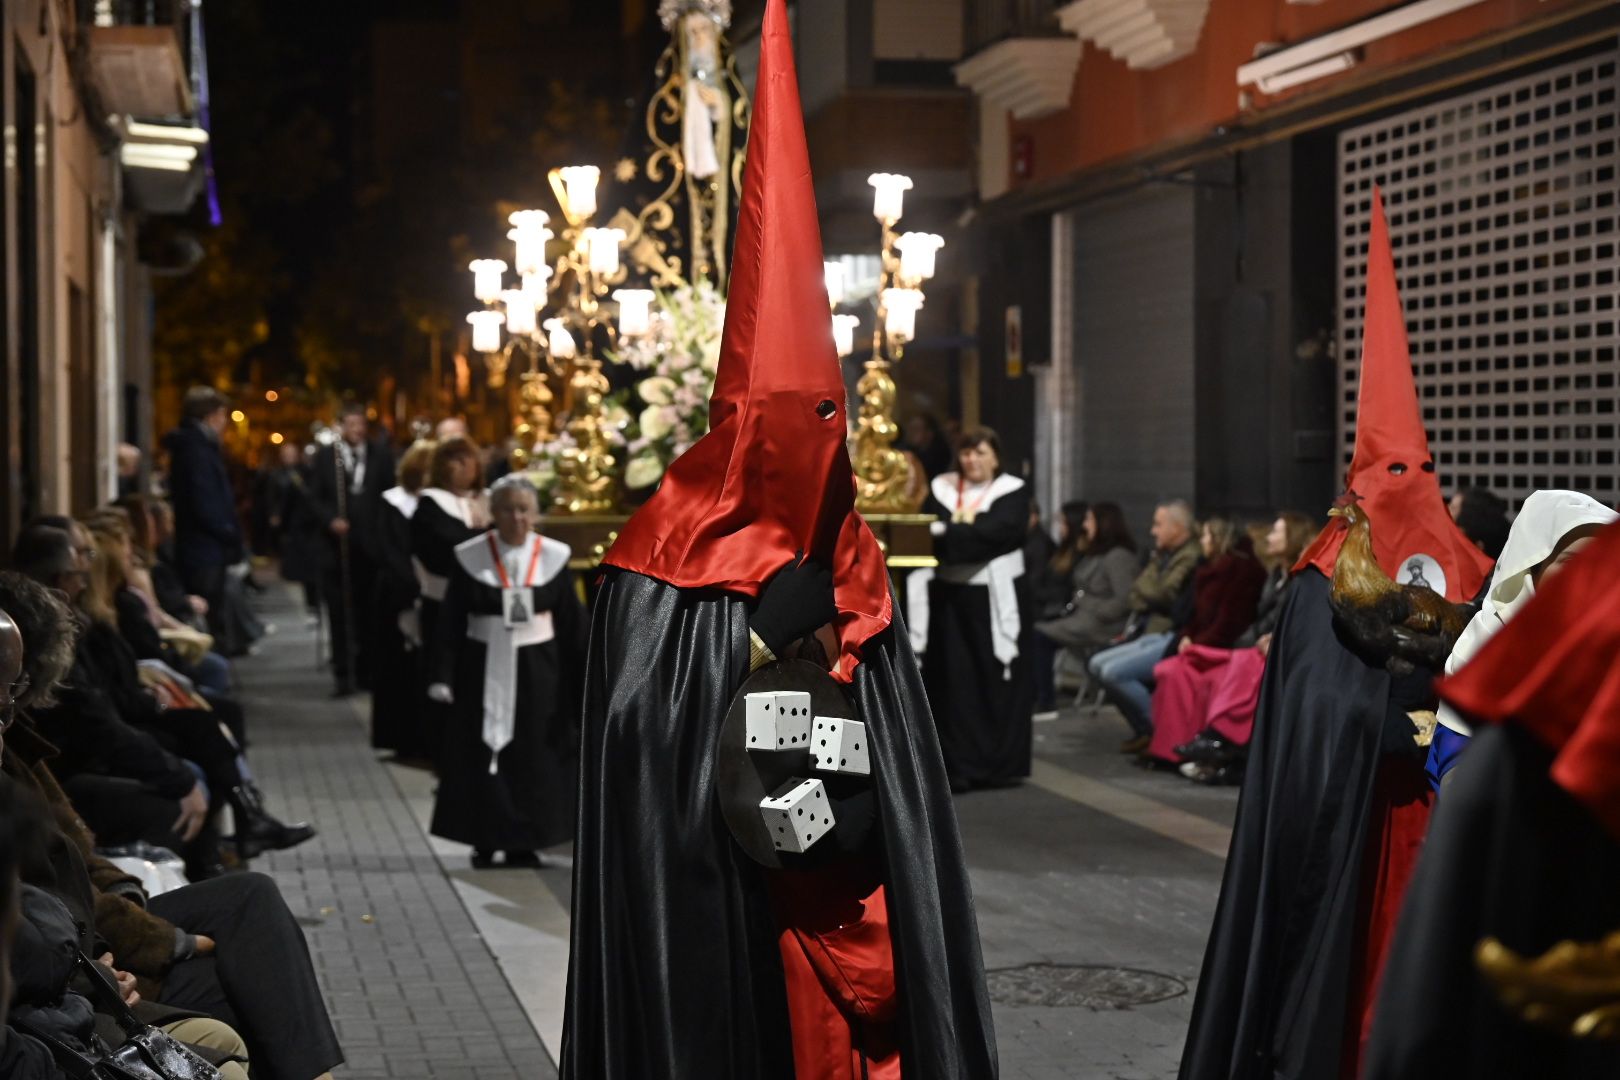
(1504, 218)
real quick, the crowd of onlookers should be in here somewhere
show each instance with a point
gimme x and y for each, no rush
(126, 752)
(1176, 637)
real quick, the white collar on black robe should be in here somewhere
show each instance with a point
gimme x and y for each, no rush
(457, 506)
(501, 642)
(999, 574)
(401, 500)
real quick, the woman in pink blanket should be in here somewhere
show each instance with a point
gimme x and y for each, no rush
(1204, 697)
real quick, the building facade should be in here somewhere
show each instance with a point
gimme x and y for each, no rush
(99, 106)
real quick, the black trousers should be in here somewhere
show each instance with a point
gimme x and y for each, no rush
(349, 612)
(259, 980)
(119, 811)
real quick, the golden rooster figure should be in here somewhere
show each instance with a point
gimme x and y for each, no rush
(1404, 624)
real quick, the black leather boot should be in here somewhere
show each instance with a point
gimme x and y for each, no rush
(256, 830)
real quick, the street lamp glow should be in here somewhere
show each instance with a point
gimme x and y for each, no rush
(238, 415)
(635, 314)
(520, 318)
(833, 271)
(486, 330)
(579, 190)
(602, 249)
(889, 196)
(561, 342)
(276, 438)
(900, 313)
(487, 278)
(844, 333)
(271, 396)
(529, 235)
(917, 255)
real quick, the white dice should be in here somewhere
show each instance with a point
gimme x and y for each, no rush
(839, 746)
(778, 720)
(797, 815)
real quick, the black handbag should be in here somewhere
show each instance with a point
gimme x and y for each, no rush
(147, 1053)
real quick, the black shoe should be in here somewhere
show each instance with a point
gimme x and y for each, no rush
(523, 860)
(482, 858)
(256, 830)
(1207, 746)
(1228, 775)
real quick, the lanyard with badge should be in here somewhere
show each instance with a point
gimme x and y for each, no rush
(964, 515)
(517, 601)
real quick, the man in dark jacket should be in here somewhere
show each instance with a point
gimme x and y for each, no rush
(208, 536)
(346, 489)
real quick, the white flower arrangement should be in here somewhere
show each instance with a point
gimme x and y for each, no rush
(675, 361)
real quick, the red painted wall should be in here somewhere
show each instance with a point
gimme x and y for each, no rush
(1115, 112)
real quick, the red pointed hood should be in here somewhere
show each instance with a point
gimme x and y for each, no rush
(772, 478)
(1555, 670)
(1392, 474)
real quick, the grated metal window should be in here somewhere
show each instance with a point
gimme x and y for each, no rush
(1504, 214)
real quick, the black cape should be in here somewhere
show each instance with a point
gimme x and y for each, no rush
(434, 534)
(1274, 990)
(529, 803)
(1510, 855)
(398, 697)
(674, 971)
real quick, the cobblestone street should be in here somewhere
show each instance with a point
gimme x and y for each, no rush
(434, 970)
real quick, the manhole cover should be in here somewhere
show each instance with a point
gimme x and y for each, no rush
(1081, 986)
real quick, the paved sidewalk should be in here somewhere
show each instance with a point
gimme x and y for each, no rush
(413, 989)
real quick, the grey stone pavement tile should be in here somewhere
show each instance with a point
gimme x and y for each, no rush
(413, 989)
(418, 991)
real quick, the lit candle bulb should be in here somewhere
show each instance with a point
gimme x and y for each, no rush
(529, 236)
(844, 333)
(888, 196)
(561, 342)
(833, 272)
(579, 186)
(917, 255)
(519, 312)
(602, 249)
(535, 285)
(486, 330)
(900, 313)
(487, 278)
(635, 315)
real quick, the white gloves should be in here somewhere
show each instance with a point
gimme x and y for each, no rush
(441, 693)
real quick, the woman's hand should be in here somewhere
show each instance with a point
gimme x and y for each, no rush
(205, 945)
(193, 814)
(1263, 646)
(126, 981)
(1186, 643)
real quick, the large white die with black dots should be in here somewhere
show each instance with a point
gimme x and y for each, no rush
(840, 746)
(797, 815)
(778, 720)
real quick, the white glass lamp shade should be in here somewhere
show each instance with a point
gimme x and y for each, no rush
(486, 330)
(579, 184)
(889, 196)
(635, 311)
(529, 235)
(900, 313)
(560, 341)
(487, 279)
(844, 332)
(535, 285)
(833, 271)
(917, 255)
(520, 316)
(602, 249)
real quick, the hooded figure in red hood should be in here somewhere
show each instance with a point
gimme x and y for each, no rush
(681, 962)
(1334, 800)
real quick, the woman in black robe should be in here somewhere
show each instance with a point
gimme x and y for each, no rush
(397, 702)
(449, 511)
(508, 660)
(972, 621)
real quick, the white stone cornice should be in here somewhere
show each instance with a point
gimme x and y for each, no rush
(1144, 34)
(1028, 77)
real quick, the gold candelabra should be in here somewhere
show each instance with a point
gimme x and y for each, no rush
(887, 480)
